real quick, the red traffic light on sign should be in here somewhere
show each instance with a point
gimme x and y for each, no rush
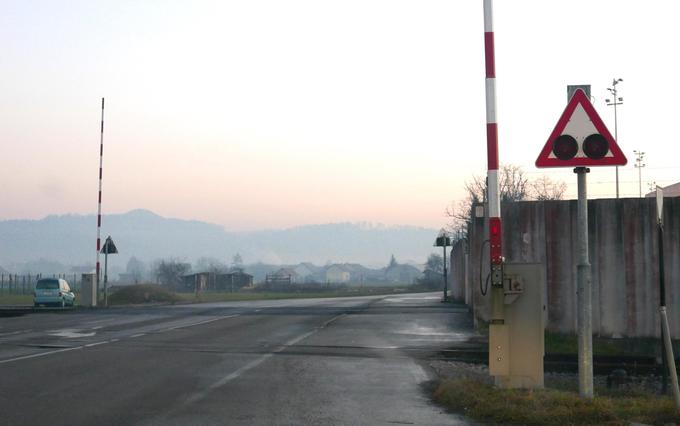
(580, 138)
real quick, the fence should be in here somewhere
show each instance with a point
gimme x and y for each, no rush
(24, 284)
(623, 254)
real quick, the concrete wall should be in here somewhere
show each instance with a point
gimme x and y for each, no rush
(624, 256)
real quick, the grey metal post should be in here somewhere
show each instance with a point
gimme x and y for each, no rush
(106, 278)
(616, 137)
(585, 327)
(662, 302)
(669, 355)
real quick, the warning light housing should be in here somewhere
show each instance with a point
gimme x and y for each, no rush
(565, 147)
(495, 240)
(595, 146)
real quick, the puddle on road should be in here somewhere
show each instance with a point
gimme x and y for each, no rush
(71, 333)
(434, 332)
(404, 299)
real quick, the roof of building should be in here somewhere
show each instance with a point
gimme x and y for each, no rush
(668, 191)
(286, 272)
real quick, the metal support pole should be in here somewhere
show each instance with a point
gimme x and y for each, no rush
(585, 327)
(615, 101)
(669, 355)
(616, 137)
(662, 304)
(640, 181)
(445, 276)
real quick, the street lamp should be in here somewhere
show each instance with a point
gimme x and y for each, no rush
(443, 240)
(615, 101)
(639, 165)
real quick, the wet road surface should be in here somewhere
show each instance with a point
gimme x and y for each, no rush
(360, 360)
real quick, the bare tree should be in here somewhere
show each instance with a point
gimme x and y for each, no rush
(237, 263)
(513, 186)
(545, 188)
(513, 183)
(433, 273)
(435, 264)
(209, 264)
(458, 214)
(170, 272)
(136, 268)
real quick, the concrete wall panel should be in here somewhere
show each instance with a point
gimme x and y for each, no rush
(623, 254)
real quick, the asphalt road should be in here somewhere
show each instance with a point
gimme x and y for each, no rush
(341, 361)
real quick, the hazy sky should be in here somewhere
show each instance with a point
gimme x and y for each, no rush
(257, 114)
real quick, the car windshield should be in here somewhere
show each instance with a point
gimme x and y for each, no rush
(47, 285)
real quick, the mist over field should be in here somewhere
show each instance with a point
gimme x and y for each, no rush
(70, 240)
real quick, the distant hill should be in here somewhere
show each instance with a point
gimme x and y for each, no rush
(70, 240)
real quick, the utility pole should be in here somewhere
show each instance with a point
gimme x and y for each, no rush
(639, 165)
(616, 101)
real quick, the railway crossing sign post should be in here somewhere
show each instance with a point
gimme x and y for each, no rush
(580, 139)
(109, 248)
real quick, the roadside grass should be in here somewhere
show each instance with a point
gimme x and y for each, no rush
(16, 299)
(485, 403)
(153, 293)
(141, 293)
(559, 343)
(556, 343)
(255, 295)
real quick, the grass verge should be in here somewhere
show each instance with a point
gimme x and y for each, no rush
(141, 293)
(485, 403)
(240, 296)
(556, 343)
(560, 343)
(16, 299)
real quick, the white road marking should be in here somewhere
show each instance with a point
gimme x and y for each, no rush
(14, 332)
(254, 363)
(40, 354)
(200, 323)
(89, 345)
(70, 333)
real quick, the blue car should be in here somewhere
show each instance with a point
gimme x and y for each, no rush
(53, 291)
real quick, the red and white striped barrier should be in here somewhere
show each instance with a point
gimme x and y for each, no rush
(492, 138)
(99, 201)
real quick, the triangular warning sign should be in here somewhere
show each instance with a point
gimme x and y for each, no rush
(580, 138)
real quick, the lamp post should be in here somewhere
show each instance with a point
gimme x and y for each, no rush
(639, 165)
(616, 100)
(443, 240)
